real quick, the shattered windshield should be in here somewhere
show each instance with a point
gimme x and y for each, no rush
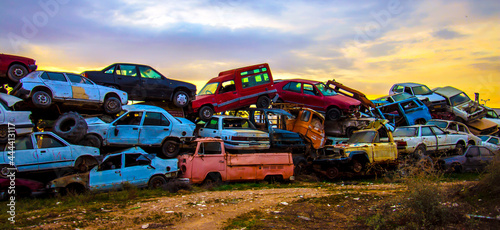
(405, 132)
(421, 90)
(362, 137)
(209, 88)
(459, 99)
(325, 90)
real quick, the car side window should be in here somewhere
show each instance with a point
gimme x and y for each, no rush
(408, 90)
(227, 86)
(132, 118)
(75, 78)
(485, 152)
(45, 141)
(135, 159)
(156, 119)
(110, 70)
(53, 76)
(493, 141)
(305, 116)
(210, 148)
(473, 152)
(426, 131)
(147, 72)
(398, 89)
(213, 124)
(23, 143)
(310, 90)
(462, 128)
(113, 162)
(126, 70)
(437, 131)
(294, 87)
(261, 77)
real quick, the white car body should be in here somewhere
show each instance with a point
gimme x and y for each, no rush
(245, 137)
(460, 103)
(18, 119)
(44, 151)
(67, 87)
(433, 138)
(141, 132)
(435, 101)
(456, 127)
(491, 142)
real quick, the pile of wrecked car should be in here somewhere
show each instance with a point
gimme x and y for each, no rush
(129, 124)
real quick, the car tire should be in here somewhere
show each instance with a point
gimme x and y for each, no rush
(460, 148)
(357, 166)
(170, 149)
(419, 152)
(181, 99)
(91, 140)
(206, 112)
(263, 102)
(70, 126)
(5, 170)
(41, 99)
(300, 166)
(112, 105)
(4, 134)
(332, 172)
(16, 72)
(333, 114)
(157, 182)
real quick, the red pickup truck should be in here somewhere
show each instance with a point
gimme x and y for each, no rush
(15, 67)
(210, 162)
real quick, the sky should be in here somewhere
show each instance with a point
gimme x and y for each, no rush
(366, 45)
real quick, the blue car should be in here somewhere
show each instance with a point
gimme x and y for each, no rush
(132, 166)
(406, 112)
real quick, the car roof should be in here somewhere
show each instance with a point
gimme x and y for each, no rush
(409, 84)
(149, 108)
(301, 80)
(448, 91)
(227, 116)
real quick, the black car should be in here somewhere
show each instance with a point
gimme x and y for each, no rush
(142, 82)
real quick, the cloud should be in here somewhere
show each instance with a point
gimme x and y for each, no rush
(447, 34)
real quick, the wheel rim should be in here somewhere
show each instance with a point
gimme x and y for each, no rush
(333, 115)
(3, 132)
(331, 173)
(112, 105)
(171, 147)
(18, 72)
(181, 99)
(356, 167)
(157, 183)
(43, 99)
(206, 113)
(4, 172)
(264, 103)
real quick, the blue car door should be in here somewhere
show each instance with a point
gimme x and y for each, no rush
(108, 175)
(52, 152)
(125, 131)
(137, 170)
(154, 129)
(26, 158)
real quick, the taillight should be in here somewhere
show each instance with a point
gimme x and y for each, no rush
(239, 138)
(401, 143)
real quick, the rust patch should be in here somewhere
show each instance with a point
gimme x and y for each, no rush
(79, 92)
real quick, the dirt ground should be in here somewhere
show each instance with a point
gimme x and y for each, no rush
(213, 209)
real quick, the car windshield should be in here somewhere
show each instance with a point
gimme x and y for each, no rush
(400, 97)
(484, 138)
(459, 99)
(362, 137)
(326, 91)
(237, 123)
(405, 132)
(421, 90)
(440, 124)
(209, 88)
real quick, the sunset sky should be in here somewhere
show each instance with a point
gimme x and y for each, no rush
(367, 45)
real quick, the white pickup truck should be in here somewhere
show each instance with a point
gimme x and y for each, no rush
(420, 139)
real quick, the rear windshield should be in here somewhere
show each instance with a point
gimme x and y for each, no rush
(405, 132)
(421, 90)
(209, 88)
(237, 123)
(484, 138)
(440, 124)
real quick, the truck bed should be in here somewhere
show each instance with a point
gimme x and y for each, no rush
(260, 159)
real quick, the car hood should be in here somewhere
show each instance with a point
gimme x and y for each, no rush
(432, 97)
(9, 99)
(18, 57)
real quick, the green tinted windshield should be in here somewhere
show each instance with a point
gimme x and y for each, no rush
(326, 91)
(421, 90)
(209, 88)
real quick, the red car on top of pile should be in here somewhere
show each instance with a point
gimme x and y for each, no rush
(316, 95)
(15, 67)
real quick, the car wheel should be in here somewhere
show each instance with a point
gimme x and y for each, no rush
(71, 126)
(112, 105)
(91, 140)
(425, 164)
(357, 166)
(332, 172)
(5, 170)
(41, 99)
(419, 152)
(170, 149)
(4, 134)
(300, 165)
(460, 148)
(333, 114)
(206, 112)
(17, 72)
(157, 182)
(212, 179)
(263, 102)
(181, 99)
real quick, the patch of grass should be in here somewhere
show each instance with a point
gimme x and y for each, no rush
(249, 220)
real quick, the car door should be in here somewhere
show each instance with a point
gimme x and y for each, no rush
(430, 140)
(227, 96)
(128, 80)
(108, 175)
(209, 159)
(58, 84)
(211, 128)
(137, 170)
(473, 159)
(26, 157)
(486, 157)
(83, 89)
(154, 84)
(443, 140)
(125, 130)
(154, 129)
(52, 152)
(292, 92)
(312, 97)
